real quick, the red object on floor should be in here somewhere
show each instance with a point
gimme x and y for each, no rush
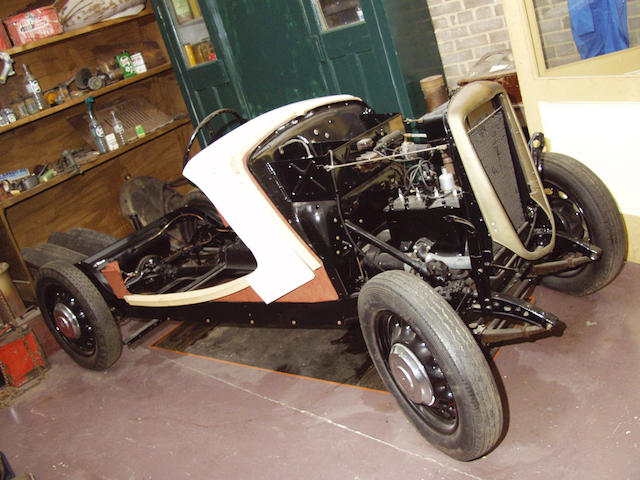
(21, 358)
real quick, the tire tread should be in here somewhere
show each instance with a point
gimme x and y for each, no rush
(452, 335)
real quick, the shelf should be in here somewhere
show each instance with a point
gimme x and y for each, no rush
(76, 33)
(77, 100)
(190, 23)
(105, 157)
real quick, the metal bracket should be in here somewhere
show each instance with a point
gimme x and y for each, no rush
(536, 145)
(502, 305)
(513, 307)
(584, 252)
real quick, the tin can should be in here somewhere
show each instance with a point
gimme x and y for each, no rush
(9, 114)
(138, 63)
(19, 108)
(30, 105)
(188, 53)
(126, 65)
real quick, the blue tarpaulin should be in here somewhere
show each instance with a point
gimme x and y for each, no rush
(599, 26)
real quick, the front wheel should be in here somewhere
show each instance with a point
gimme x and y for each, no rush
(78, 316)
(430, 362)
(584, 208)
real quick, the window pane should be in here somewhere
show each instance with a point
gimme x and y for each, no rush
(337, 13)
(572, 30)
(191, 31)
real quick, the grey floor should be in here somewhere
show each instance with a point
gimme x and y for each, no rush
(573, 402)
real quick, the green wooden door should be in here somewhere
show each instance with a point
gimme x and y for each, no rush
(357, 51)
(274, 54)
(206, 86)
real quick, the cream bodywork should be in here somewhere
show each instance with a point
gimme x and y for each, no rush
(284, 262)
(500, 228)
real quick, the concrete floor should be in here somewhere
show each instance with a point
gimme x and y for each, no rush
(573, 403)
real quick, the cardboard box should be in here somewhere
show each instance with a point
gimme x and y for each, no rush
(33, 25)
(5, 43)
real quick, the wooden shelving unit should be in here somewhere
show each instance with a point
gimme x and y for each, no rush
(99, 160)
(76, 33)
(89, 196)
(78, 100)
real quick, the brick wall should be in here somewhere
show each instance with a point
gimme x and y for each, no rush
(555, 30)
(466, 30)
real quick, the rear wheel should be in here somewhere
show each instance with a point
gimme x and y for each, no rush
(78, 316)
(584, 208)
(430, 362)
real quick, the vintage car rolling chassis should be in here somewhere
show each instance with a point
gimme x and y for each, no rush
(432, 231)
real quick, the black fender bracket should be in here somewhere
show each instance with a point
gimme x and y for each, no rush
(531, 320)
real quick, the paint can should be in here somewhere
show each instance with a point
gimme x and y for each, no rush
(138, 63)
(434, 91)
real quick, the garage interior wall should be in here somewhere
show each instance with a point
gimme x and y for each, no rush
(588, 109)
(466, 30)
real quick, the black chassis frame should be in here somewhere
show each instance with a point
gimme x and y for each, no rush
(336, 217)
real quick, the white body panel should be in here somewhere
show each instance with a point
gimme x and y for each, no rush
(284, 261)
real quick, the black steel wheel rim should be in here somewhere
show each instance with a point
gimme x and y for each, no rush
(58, 298)
(569, 218)
(442, 415)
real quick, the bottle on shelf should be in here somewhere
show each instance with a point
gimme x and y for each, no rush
(118, 129)
(33, 88)
(96, 129)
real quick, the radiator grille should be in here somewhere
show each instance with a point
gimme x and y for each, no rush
(492, 144)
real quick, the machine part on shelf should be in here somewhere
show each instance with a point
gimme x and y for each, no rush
(81, 78)
(111, 70)
(96, 82)
(67, 163)
(7, 67)
(87, 79)
(27, 183)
